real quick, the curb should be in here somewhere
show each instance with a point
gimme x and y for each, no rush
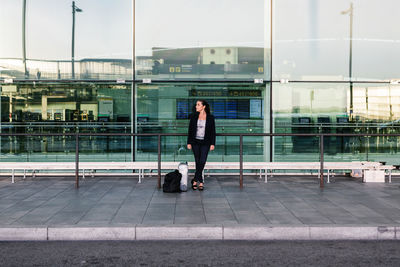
(202, 232)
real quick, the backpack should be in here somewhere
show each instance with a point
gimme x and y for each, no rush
(172, 182)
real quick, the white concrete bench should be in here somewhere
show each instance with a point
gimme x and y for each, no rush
(83, 167)
(34, 166)
(328, 166)
(384, 168)
(141, 166)
(363, 166)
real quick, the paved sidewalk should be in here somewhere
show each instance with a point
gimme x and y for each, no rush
(121, 208)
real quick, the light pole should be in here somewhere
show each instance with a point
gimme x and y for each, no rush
(74, 9)
(23, 39)
(350, 12)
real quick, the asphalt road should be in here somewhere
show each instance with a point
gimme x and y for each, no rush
(201, 253)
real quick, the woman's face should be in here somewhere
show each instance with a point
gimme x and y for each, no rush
(199, 106)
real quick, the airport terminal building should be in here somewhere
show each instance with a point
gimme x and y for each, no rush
(138, 66)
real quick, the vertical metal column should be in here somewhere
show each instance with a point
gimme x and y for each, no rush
(321, 174)
(1, 137)
(241, 160)
(73, 42)
(77, 160)
(74, 10)
(350, 11)
(271, 140)
(133, 89)
(26, 75)
(133, 41)
(159, 161)
(351, 62)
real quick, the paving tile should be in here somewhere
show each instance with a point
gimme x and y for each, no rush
(132, 218)
(379, 220)
(220, 218)
(66, 218)
(251, 217)
(115, 201)
(347, 220)
(193, 219)
(282, 218)
(361, 211)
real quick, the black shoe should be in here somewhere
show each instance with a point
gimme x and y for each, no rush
(201, 187)
(194, 186)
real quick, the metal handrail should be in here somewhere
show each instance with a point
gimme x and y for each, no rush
(240, 135)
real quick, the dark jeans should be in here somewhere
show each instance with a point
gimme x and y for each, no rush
(200, 151)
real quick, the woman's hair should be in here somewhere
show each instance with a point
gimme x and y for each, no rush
(205, 103)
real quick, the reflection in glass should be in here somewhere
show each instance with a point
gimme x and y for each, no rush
(324, 108)
(336, 40)
(307, 45)
(376, 42)
(227, 43)
(103, 40)
(165, 108)
(306, 108)
(65, 108)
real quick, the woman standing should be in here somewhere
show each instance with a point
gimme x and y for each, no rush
(201, 139)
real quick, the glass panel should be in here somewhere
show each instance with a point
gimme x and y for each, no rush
(226, 39)
(376, 43)
(65, 108)
(10, 12)
(308, 108)
(310, 40)
(325, 108)
(102, 40)
(11, 65)
(238, 108)
(378, 107)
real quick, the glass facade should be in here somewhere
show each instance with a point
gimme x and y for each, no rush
(237, 107)
(202, 39)
(305, 66)
(66, 108)
(99, 35)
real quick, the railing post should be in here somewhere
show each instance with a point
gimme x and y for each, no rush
(321, 174)
(77, 160)
(159, 161)
(241, 160)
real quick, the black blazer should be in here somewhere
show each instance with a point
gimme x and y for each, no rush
(209, 137)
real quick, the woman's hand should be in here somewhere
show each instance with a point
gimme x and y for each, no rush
(189, 146)
(212, 147)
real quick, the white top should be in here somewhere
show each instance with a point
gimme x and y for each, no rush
(201, 129)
